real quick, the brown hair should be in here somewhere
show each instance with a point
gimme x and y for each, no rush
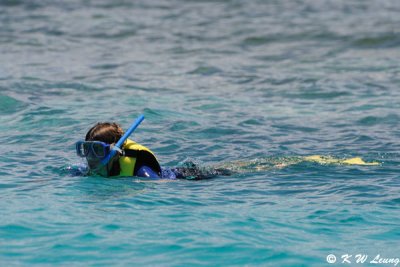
(105, 132)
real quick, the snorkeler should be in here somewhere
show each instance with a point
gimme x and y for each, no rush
(109, 152)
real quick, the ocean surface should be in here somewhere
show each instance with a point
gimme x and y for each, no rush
(219, 82)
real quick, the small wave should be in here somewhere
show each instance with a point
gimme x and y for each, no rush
(9, 105)
(383, 41)
(106, 66)
(77, 169)
(319, 95)
(205, 70)
(11, 3)
(119, 34)
(257, 40)
(374, 120)
(14, 230)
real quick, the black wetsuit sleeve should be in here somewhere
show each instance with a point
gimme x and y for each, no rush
(144, 158)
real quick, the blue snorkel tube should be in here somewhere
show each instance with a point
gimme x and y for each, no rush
(118, 145)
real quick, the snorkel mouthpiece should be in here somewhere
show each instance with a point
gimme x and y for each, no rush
(117, 147)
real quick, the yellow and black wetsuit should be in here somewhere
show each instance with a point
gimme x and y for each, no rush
(134, 157)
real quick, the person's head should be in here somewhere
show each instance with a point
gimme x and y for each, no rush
(108, 133)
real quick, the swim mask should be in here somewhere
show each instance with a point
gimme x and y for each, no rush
(92, 149)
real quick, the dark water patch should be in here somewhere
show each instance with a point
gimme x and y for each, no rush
(88, 237)
(39, 17)
(391, 119)
(377, 88)
(280, 81)
(320, 214)
(252, 122)
(211, 107)
(392, 202)
(44, 110)
(352, 220)
(30, 43)
(363, 138)
(184, 51)
(364, 107)
(244, 79)
(319, 95)
(47, 30)
(311, 36)
(183, 125)
(7, 185)
(295, 128)
(155, 90)
(257, 40)
(111, 34)
(14, 231)
(275, 58)
(383, 41)
(113, 4)
(200, 37)
(108, 66)
(36, 86)
(206, 71)
(11, 3)
(9, 105)
(111, 227)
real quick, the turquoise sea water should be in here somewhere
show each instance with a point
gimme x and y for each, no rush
(218, 81)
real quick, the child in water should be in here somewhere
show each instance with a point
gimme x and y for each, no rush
(132, 159)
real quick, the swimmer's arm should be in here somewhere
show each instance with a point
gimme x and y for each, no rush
(146, 171)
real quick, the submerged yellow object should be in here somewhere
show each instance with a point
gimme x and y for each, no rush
(330, 160)
(270, 163)
(359, 161)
